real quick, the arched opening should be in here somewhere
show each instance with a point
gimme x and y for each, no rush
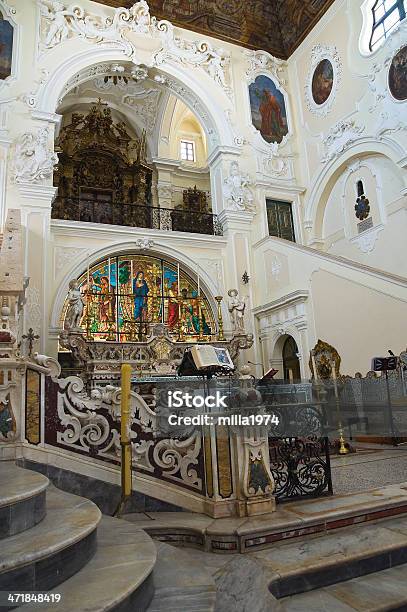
(119, 154)
(124, 295)
(291, 363)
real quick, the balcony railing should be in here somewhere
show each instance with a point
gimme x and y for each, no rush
(135, 215)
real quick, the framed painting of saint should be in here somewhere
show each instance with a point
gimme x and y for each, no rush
(6, 48)
(398, 75)
(268, 109)
(322, 82)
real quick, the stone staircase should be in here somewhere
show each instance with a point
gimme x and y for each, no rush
(363, 567)
(56, 542)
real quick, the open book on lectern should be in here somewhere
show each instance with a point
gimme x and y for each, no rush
(205, 356)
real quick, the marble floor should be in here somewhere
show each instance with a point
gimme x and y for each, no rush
(371, 466)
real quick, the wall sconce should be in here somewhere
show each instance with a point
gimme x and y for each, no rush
(245, 277)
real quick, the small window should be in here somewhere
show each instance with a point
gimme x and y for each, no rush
(280, 219)
(386, 15)
(360, 188)
(187, 150)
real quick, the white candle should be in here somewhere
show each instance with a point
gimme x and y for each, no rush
(178, 280)
(88, 273)
(109, 274)
(131, 276)
(199, 286)
(314, 365)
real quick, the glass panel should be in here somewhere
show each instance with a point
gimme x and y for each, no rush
(280, 221)
(125, 295)
(379, 12)
(391, 20)
(388, 4)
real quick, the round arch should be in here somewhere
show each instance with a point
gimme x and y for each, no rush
(79, 265)
(277, 343)
(183, 83)
(362, 148)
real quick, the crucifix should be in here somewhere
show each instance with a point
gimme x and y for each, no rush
(31, 337)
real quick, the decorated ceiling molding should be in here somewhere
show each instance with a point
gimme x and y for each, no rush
(276, 26)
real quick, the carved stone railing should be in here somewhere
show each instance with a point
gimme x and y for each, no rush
(160, 355)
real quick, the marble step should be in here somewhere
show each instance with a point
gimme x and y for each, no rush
(318, 561)
(383, 591)
(22, 498)
(54, 549)
(181, 584)
(117, 578)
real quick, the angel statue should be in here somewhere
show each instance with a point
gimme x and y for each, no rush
(55, 13)
(75, 307)
(236, 307)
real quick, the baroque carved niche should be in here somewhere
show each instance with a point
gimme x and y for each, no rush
(102, 175)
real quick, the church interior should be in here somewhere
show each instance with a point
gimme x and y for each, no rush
(203, 288)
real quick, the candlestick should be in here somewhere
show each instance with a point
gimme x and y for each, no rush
(314, 365)
(218, 298)
(125, 439)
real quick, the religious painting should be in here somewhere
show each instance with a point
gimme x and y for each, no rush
(322, 81)
(125, 295)
(268, 110)
(6, 48)
(398, 75)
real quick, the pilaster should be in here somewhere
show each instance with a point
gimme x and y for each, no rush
(36, 201)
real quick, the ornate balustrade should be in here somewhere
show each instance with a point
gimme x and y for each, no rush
(136, 215)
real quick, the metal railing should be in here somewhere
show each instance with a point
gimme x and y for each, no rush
(136, 215)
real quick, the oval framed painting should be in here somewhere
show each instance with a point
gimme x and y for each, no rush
(6, 48)
(268, 109)
(322, 82)
(323, 79)
(397, 77)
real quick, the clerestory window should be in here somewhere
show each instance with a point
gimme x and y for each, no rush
(386, 15)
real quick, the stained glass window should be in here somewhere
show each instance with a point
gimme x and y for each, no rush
(124, 295)
(386, 15)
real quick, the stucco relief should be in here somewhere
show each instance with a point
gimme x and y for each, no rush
(59, 23)
(144, 104)
(63, 255)
(34, 160)
(260, 61)
(339, 138)
(319, 54)
(366, 241)
(33, 308)
(237, 190)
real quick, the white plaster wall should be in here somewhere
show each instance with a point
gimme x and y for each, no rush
(308, 169)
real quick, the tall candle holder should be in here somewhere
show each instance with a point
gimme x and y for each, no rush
(218, 299)
(343, 450)
(200, 320)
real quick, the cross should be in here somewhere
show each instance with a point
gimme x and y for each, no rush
(31, 337)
